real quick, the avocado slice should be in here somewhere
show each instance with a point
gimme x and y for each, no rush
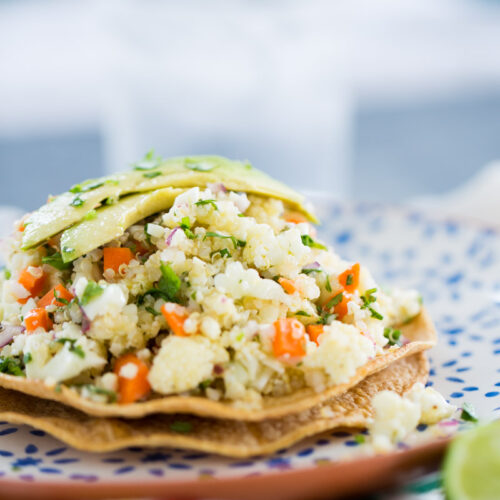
(110, 222)
(183, 172)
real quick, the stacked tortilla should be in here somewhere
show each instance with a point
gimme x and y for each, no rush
(191, 421)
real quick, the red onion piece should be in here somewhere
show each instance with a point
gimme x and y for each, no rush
(217, 187)
(171, 235)
(8, 332)
(218, 370)
(313, 265)
(86, 323)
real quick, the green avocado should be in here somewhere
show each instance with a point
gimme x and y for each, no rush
(110, 222)
(71, 207)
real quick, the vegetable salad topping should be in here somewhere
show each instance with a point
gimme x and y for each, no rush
(225, 295)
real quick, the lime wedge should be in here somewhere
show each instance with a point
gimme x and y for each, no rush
(472, 465)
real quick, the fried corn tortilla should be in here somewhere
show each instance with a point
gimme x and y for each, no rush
(420, 333)
(225, 437)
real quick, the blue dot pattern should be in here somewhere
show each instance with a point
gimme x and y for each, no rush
(455, 267)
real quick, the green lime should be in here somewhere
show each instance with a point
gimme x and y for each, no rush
(472, 465)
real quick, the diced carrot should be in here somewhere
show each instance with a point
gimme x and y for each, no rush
(134, 385)
(339, 309)
(295, 218)
(349, 279)
(36, 318)
(314, 331)
(22, 227)
(114, 257)
(175, 315)
(288, 285)
(33, 284)
(289, 338)
(50, 297)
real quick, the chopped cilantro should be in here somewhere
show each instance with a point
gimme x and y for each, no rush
(325, 317)
(186, 227)
(369, 299)
(169, 282)
(302, 313)
(236, 242)
(11, 366)
(148, 236)
(77, 201)
(359, 438)
(337, 299)
(91, 214)
(111, 395)
(149, 162)
(7, 273)
(207, 202)
(182, 427)
(349, 278)
(151, 175)
(392, 335)
(83, 188)
(59, 298)
(204, 384)
(328, 286)
(224, 252)
(27, 358)
(311, 270)
(92, 291)
(76, 349)
(55, 260)
(468, 413)
(198, 166)
(309, 242)
(153, 311)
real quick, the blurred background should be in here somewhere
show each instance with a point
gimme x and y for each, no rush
(384, 100)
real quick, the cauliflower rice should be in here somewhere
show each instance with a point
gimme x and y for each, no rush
(227, 295)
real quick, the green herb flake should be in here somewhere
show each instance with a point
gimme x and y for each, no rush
(7, 273)
(328, 286)
(148, 236)
(236, 242)
(207, 202)
(240, 337)
(337, 299)
(75, 349)
(111, 395)
(186, 227)
(309, 242)
(55, 260)
(77, 201)
(153, 311)
(11, 366)
(349, 279)
(468, 413)
(90, 215)
(302, 313)
(204, 384)
(151, 175)
(149, 162)
(359, 438)
(169, 283)
(91, 292)
(224, 252)
(392, 335)
(59, 298)
(311, 270)
(198, 166)
(369, 299)
(181, 427)
(27, 358)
